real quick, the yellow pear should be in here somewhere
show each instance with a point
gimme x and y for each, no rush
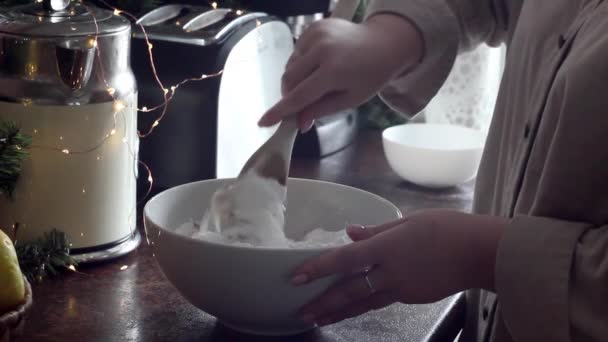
(12, 287)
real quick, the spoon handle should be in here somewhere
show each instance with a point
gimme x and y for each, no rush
(269, 160)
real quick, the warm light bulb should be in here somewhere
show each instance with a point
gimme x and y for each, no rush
(239, 12)
(150, 179)
(66, 151)
(111, 91)
(72, 268)
(150, 46)
(214, 5)
(123, 267)
(166, 91)
(31, 69)
(155, 123)
(113, 131)
(118, 106)
(84, 191)
(18, 147)
(144, 109)
(92, 42)
(173, 88)
(117, 11)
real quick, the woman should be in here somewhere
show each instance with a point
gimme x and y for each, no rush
(533, 256)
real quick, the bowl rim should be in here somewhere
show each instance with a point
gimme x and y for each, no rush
(481, 144)
(258, 248)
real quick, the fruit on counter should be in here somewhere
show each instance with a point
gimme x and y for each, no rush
(12, 286)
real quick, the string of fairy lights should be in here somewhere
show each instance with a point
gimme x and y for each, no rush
(119, 106)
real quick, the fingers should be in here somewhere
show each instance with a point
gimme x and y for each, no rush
(346, 292)
(303, 95)
(342, 260)
(359, 232)
(375, 302)
(298, 68)
(311, 35)
(305, 124)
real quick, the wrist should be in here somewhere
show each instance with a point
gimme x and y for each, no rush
(406, 42)
(484, 234)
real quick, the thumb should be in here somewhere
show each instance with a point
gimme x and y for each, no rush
(359, 232)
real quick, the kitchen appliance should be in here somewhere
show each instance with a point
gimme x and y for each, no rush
(65, 78)
(328, 135)
(210, 127)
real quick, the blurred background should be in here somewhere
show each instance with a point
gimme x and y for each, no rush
(373, 114)
(467, 98)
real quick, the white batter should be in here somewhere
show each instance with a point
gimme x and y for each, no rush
(251, 212)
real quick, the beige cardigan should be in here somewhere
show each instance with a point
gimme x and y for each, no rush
(546, 160)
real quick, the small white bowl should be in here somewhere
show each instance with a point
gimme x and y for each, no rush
(246, 288)
(434, 155)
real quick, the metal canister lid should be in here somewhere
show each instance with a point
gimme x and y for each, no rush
(60, 18)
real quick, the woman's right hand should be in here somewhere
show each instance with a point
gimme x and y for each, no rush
(338, 64)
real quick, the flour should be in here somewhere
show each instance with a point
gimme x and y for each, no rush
(316, 238)
(251, 212)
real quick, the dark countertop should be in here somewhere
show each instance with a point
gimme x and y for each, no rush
(106, 304)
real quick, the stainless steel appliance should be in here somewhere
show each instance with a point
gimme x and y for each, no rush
(210, 128)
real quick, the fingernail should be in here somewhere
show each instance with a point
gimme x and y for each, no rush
(355, 227)
(309, 318)
(264, 121)
(299, 279)
(307, 125)
(357, 232)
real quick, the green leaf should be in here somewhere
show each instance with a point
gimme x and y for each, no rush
(14, 147)
(47, 256)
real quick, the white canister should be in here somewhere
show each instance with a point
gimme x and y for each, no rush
(66, 80)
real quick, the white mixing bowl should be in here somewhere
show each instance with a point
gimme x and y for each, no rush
(246, 288)
(434, 155)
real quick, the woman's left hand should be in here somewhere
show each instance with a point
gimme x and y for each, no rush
(421, 258)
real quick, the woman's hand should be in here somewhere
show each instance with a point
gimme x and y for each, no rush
(422, 258)
(338, 64)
